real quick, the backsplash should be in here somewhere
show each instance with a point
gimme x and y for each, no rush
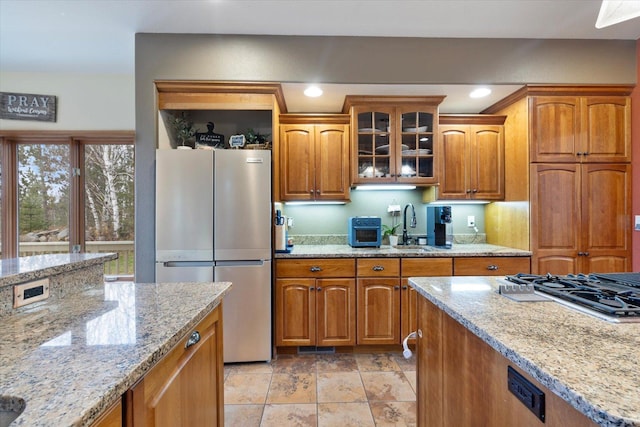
(341, 239)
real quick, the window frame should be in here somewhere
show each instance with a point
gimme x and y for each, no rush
(76, 140)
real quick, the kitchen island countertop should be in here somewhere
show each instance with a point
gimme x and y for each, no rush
(71, 359)
(346, 251)
(590, 363)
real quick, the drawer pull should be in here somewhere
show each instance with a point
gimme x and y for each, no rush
(492, 267)
(377, 268)
(193, 339)
(315, 269)
(405, 287)
(319, 288)
(396, 287)
(312, 288)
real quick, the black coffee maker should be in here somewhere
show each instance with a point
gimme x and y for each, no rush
(439, 228)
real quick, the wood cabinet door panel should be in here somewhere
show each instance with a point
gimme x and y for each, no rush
(408, 309)
(606, 207)
(336, 312)
(491, 266)
(487, 163)
(378, 311)
(314, 267)
(429, 367)
(332, 162)
(295, 312)
(185, 387)
(556, 262)
(297, 154)
(607, 129)
(454, 161)
(378, 267)
(554, 128)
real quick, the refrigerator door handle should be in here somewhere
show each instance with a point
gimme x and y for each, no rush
(255, 262)
(188, 263)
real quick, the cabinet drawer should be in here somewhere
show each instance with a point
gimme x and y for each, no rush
(412, 267)
(491, 266)
(314, 267)
(378, 267)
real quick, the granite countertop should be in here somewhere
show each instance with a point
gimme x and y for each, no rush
(346, 251)
(18, 270)
(71, 359)
(590, 363)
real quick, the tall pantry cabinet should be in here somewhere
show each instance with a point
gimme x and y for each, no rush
(579, 154)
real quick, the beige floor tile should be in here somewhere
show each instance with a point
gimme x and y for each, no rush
(376, 362)
(246, 388)
(411, 377)
(405, 364)
(242, 415)
(387, 386)
(340, 387)
(294, 363)
(396, 414)
(250, 368)
(292, 388)
(344, 415)
(290, 415)
(336, 363)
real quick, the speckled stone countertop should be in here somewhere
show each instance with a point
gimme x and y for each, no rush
(73, 358)
(346, 251)
(18, 270)
(591, 363)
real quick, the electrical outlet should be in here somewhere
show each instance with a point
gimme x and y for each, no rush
(393, 208)
(471, 221)
(637, 227)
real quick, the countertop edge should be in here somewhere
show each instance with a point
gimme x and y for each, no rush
(577, 401)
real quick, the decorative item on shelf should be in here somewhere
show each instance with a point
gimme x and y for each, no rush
(237, 141)
(390, 233)
(209, 139)
(183, 130)
(256, 140)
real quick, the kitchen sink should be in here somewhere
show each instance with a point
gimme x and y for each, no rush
(10, 408)
(414, 248)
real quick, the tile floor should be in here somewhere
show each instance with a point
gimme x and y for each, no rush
(322, 390)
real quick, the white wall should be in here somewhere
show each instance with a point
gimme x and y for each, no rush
(85, 101)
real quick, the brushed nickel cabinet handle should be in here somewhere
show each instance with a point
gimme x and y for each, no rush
(319, 288)
(193, 339)
(377, 268)
(315, 269)
(492, 267)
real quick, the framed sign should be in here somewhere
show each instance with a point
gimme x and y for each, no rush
(237, 141)
(27, 106)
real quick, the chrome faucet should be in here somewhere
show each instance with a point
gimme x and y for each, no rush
(405, 236)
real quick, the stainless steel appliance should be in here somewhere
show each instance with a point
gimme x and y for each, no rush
(364, 231)
(213, 223)
(439, 227)
(611, 296)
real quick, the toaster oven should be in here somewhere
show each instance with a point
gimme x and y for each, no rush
(365, 231)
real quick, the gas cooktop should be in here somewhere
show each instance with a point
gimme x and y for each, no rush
(611, 296)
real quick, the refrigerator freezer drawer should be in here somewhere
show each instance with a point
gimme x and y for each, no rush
(187, 272)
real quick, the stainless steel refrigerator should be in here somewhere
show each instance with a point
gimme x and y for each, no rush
(213, 223)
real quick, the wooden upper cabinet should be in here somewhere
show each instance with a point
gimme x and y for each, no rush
(585, 129)
(313, 158)
(394, 139)
(472, 157)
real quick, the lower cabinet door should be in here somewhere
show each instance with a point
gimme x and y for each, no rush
(295, 315)
(378, 311)
(336, 312)
(185, 387)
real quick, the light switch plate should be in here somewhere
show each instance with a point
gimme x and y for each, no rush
(637, 227)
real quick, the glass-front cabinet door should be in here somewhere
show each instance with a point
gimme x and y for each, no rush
(416, 152)
(374, 142)
(394, 144)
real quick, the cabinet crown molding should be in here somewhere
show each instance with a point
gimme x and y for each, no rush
(389, 100)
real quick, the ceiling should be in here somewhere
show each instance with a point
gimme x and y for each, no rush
(97, 36)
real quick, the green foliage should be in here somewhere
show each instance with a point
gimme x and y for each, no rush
(254, 137)
(182, 127)
(387, 231)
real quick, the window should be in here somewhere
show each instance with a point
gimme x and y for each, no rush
(66, 192)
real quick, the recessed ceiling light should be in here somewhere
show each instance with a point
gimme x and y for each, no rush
(616, 11)
(481, 92)
(313, 91)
